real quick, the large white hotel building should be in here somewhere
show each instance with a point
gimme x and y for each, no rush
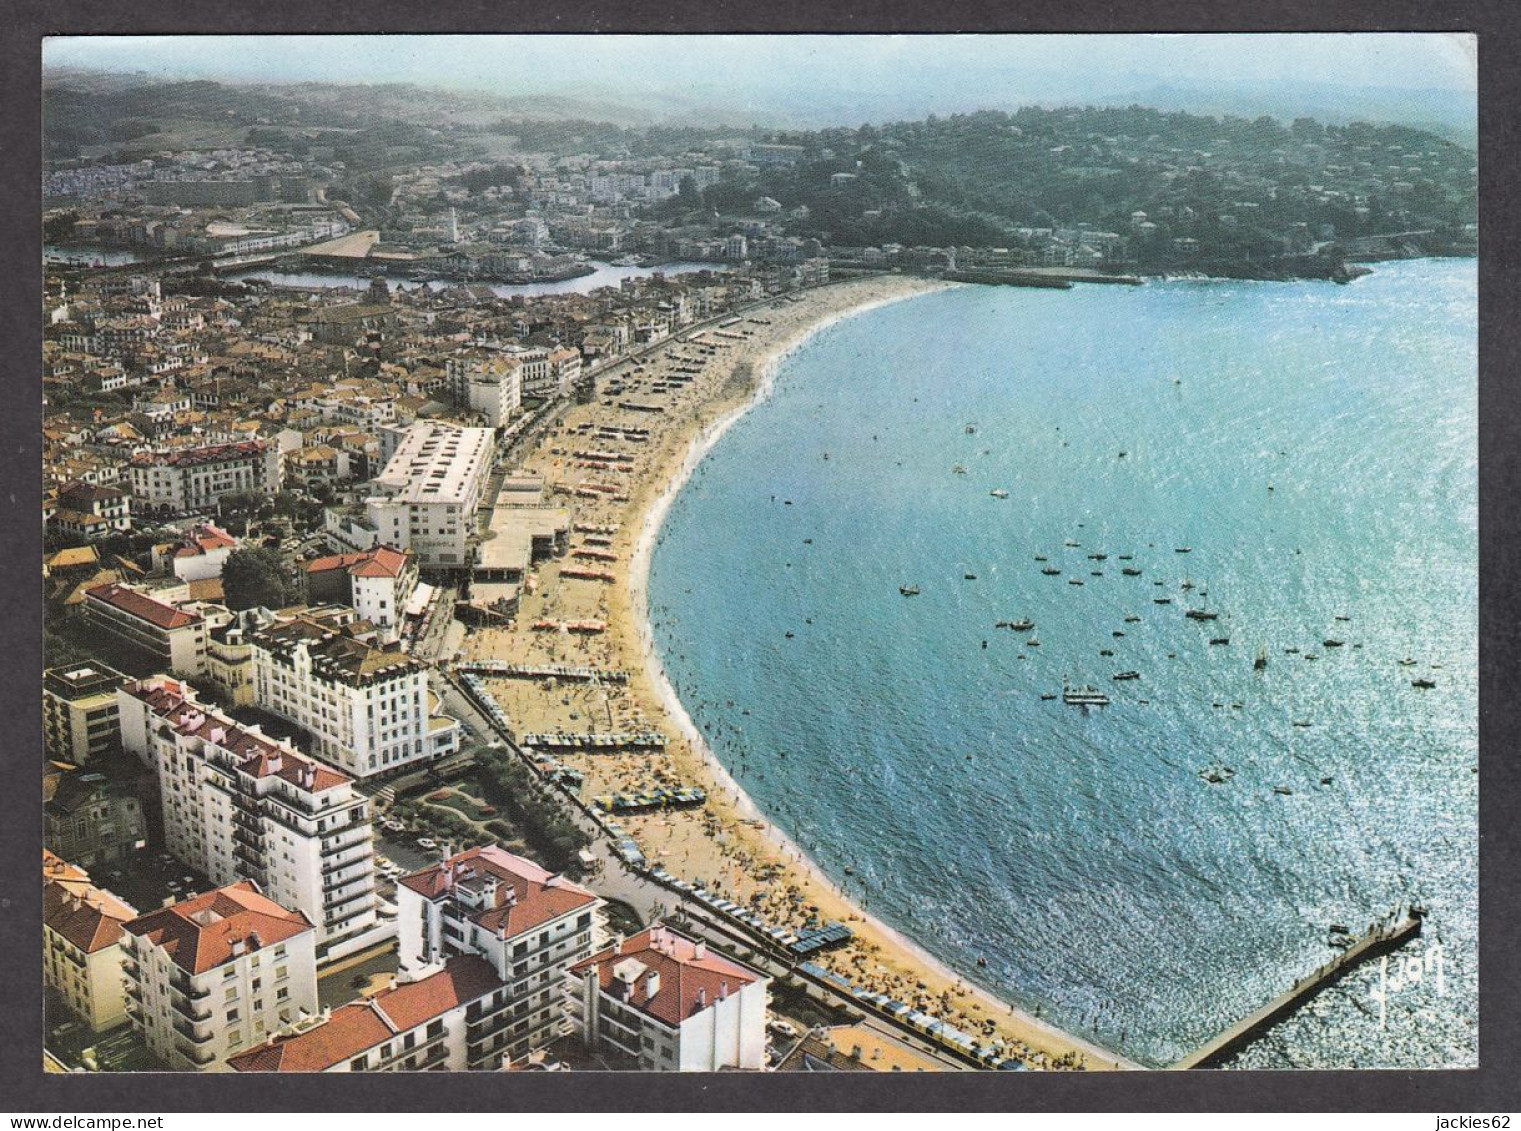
(426, 496)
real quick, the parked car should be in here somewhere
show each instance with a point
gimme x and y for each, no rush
(427, 842)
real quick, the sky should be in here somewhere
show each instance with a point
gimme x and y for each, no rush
(867, 74)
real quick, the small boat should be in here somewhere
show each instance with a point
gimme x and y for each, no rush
(1096, 573)
(1284, 790)
(1116, 634)
(982, 962)
(1051, 571)
(909, 590)
(1040, 557)
(999, 493)
(1291, 651)
(1048, 696)
(969, 576)
(1128, 571)
(788, 635)
(1074, 581)
(1126, 557)
(1302, 723)
(1022, 625)
(1423, 684)
(1187, 584)
(1105, 652)
(1083, 696)
(1127, 675)
(1132, 619)
(1032, 643)
(1097, 557)
(1407, 662)
(1217, 775)
(1261, 661)
(1221, 640)
(1200, 614)
(1183, 549)
(1161, 600)
(1331, 643)
(1069, 542)
(1341, 616)
(959, 470)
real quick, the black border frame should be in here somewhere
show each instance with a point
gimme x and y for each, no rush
(1491, 1087)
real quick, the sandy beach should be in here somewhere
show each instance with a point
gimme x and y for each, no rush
(659, 415)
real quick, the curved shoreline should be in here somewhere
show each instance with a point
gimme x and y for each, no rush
(651, 523)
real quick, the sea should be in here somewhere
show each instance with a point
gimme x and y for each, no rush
(1299, 458)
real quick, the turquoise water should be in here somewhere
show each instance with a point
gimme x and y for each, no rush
(1314, 446)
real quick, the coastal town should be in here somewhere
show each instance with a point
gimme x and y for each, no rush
(359, 752)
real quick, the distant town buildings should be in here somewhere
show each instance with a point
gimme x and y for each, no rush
(195, 479)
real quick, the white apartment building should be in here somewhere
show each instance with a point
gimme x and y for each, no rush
(366, 709)
(173, 637)
(81, 943)
(671, 1004)
(239, 805)
(487, 382)
(217, 973)
(377, 584)
(194, 479)
(529, 924)
(426, 496)
(565, 369)
(199, 554)
(428, 1025)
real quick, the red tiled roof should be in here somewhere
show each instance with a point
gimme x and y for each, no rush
(382, 561)
(189, 457)
(88, 917)
(257, 754)
(198, 933)
(361, 1025)
(527, 895)
(203, 540)
(684, 977)
(139, 605)
(350, 1030)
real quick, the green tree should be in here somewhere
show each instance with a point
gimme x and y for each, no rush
(255, 576)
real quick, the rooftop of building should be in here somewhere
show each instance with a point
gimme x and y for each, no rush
(359, 1026)
(526, 895)
(143, 607)
(382, 561)
(87, 916)
(254, 753)
(193, 457)
(689, 976)
(335, 651)
(208, 930)
(82, 681)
